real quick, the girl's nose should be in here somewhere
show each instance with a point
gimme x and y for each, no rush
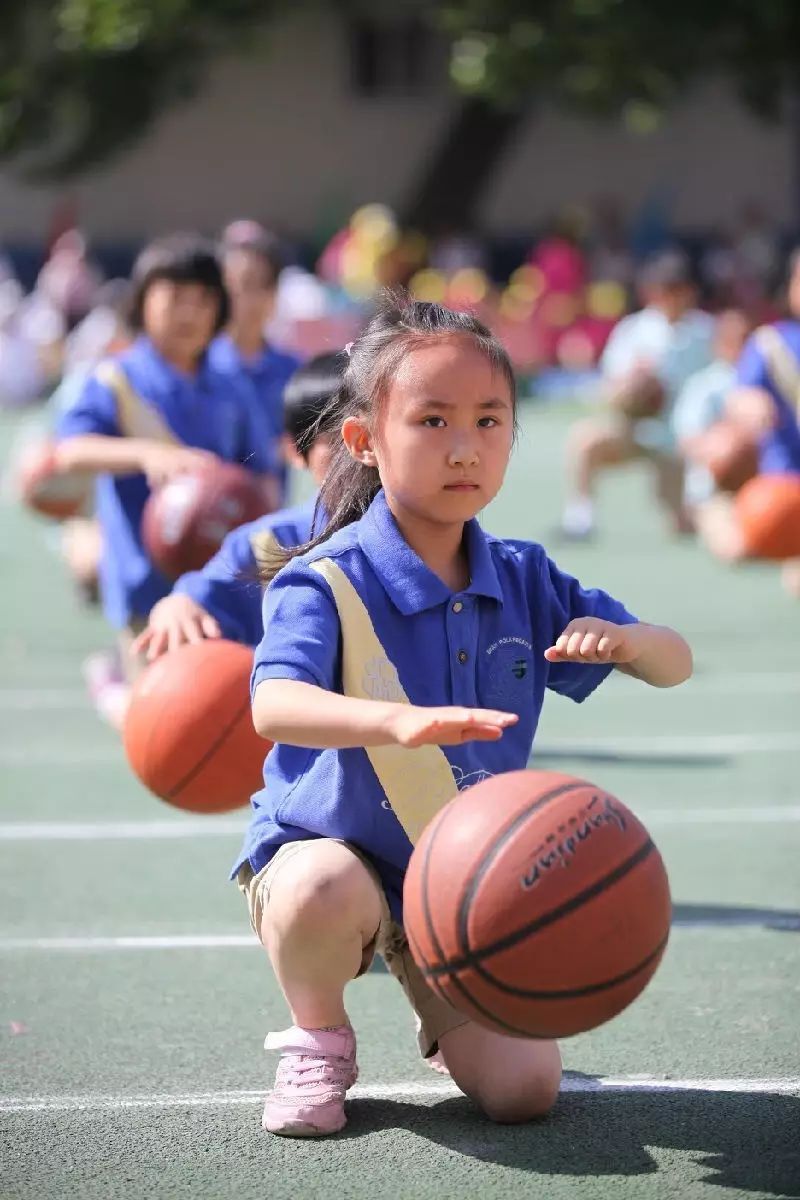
(463, 453)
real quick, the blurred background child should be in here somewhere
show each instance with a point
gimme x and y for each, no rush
(251, 266)
(224, 598)
(161, 409)
(648, 358)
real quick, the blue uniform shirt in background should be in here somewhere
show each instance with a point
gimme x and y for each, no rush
(210, 411)
(268, 372)
(779, 450)
(482, 647)
(228, 585)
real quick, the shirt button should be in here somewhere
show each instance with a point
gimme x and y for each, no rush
(462, 656)
(457, 607)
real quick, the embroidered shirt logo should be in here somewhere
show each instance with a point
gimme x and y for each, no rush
(520, 668)
(508, 641)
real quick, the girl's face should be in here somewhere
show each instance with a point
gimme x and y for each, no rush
(443, 433)
(252, 293)
(316, 462)
(180, 318)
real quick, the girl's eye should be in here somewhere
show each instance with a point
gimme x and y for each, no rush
(487, 422)
(434, 422)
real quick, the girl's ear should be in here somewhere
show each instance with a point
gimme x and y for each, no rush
(358, 440)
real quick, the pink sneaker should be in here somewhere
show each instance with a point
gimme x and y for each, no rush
(108, 688)
(316, 1068)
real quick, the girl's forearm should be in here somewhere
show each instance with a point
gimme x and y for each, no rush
(302, 714)
(663, 658)
(101, 453)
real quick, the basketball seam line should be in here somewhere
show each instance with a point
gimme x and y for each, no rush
(501, 840)
(176, 790)
(456, 983)
(572, 993)
(473, 957)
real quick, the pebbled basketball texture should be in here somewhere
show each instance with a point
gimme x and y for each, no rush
(185, 521)
(189, 733)
(537, 904)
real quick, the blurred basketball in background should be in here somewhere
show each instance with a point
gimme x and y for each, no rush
(537, 904)
(186, 520)
(768, 512)
(638, 395)
(730, 454)
(189, 734)
(46, 490)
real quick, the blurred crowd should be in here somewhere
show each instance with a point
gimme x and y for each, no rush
(555, 309)
(657, 332)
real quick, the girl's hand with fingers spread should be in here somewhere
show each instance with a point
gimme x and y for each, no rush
(450, 726)
(590, 640)
(173, 621)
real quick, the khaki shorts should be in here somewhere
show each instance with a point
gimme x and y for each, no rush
(435, 1016)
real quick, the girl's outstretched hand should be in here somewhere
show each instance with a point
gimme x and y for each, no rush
(591, 640)
(449, 726)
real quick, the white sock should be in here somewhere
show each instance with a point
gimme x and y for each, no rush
(578, 516)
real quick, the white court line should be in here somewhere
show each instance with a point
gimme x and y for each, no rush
(650, 1085)
(742, 684)
(686, 746)
(102, 831)
(41, 699)
(755, 918)
(109, 831)
(177, 941)
(43, 755)
(683, 745)
(766, 814)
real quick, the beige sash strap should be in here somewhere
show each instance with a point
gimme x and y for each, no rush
(267, 550)
(782, 365)
(136, 417)
(417, 782)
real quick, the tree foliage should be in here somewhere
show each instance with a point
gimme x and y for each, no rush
(81, 79)
(604, 56)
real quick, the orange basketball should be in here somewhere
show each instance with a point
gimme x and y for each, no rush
(537, 904)
(185, 521)
(46, 490)
(189, 735)
(768, 512)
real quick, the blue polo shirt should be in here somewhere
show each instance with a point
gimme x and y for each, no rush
(209, 410)
(483, 647)
(779, 450)
(228, 586)
(268, 372)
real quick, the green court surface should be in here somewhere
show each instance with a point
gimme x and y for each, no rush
(134, 1002)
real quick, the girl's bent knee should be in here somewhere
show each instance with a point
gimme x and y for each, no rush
(513, 1104)
(322, 892)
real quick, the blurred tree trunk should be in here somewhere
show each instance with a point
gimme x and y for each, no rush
(452, 185)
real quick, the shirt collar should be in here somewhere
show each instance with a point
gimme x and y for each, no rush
(227, 354)
(410, 584)
(144, 350)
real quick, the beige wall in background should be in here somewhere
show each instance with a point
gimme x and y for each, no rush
(280, 137)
